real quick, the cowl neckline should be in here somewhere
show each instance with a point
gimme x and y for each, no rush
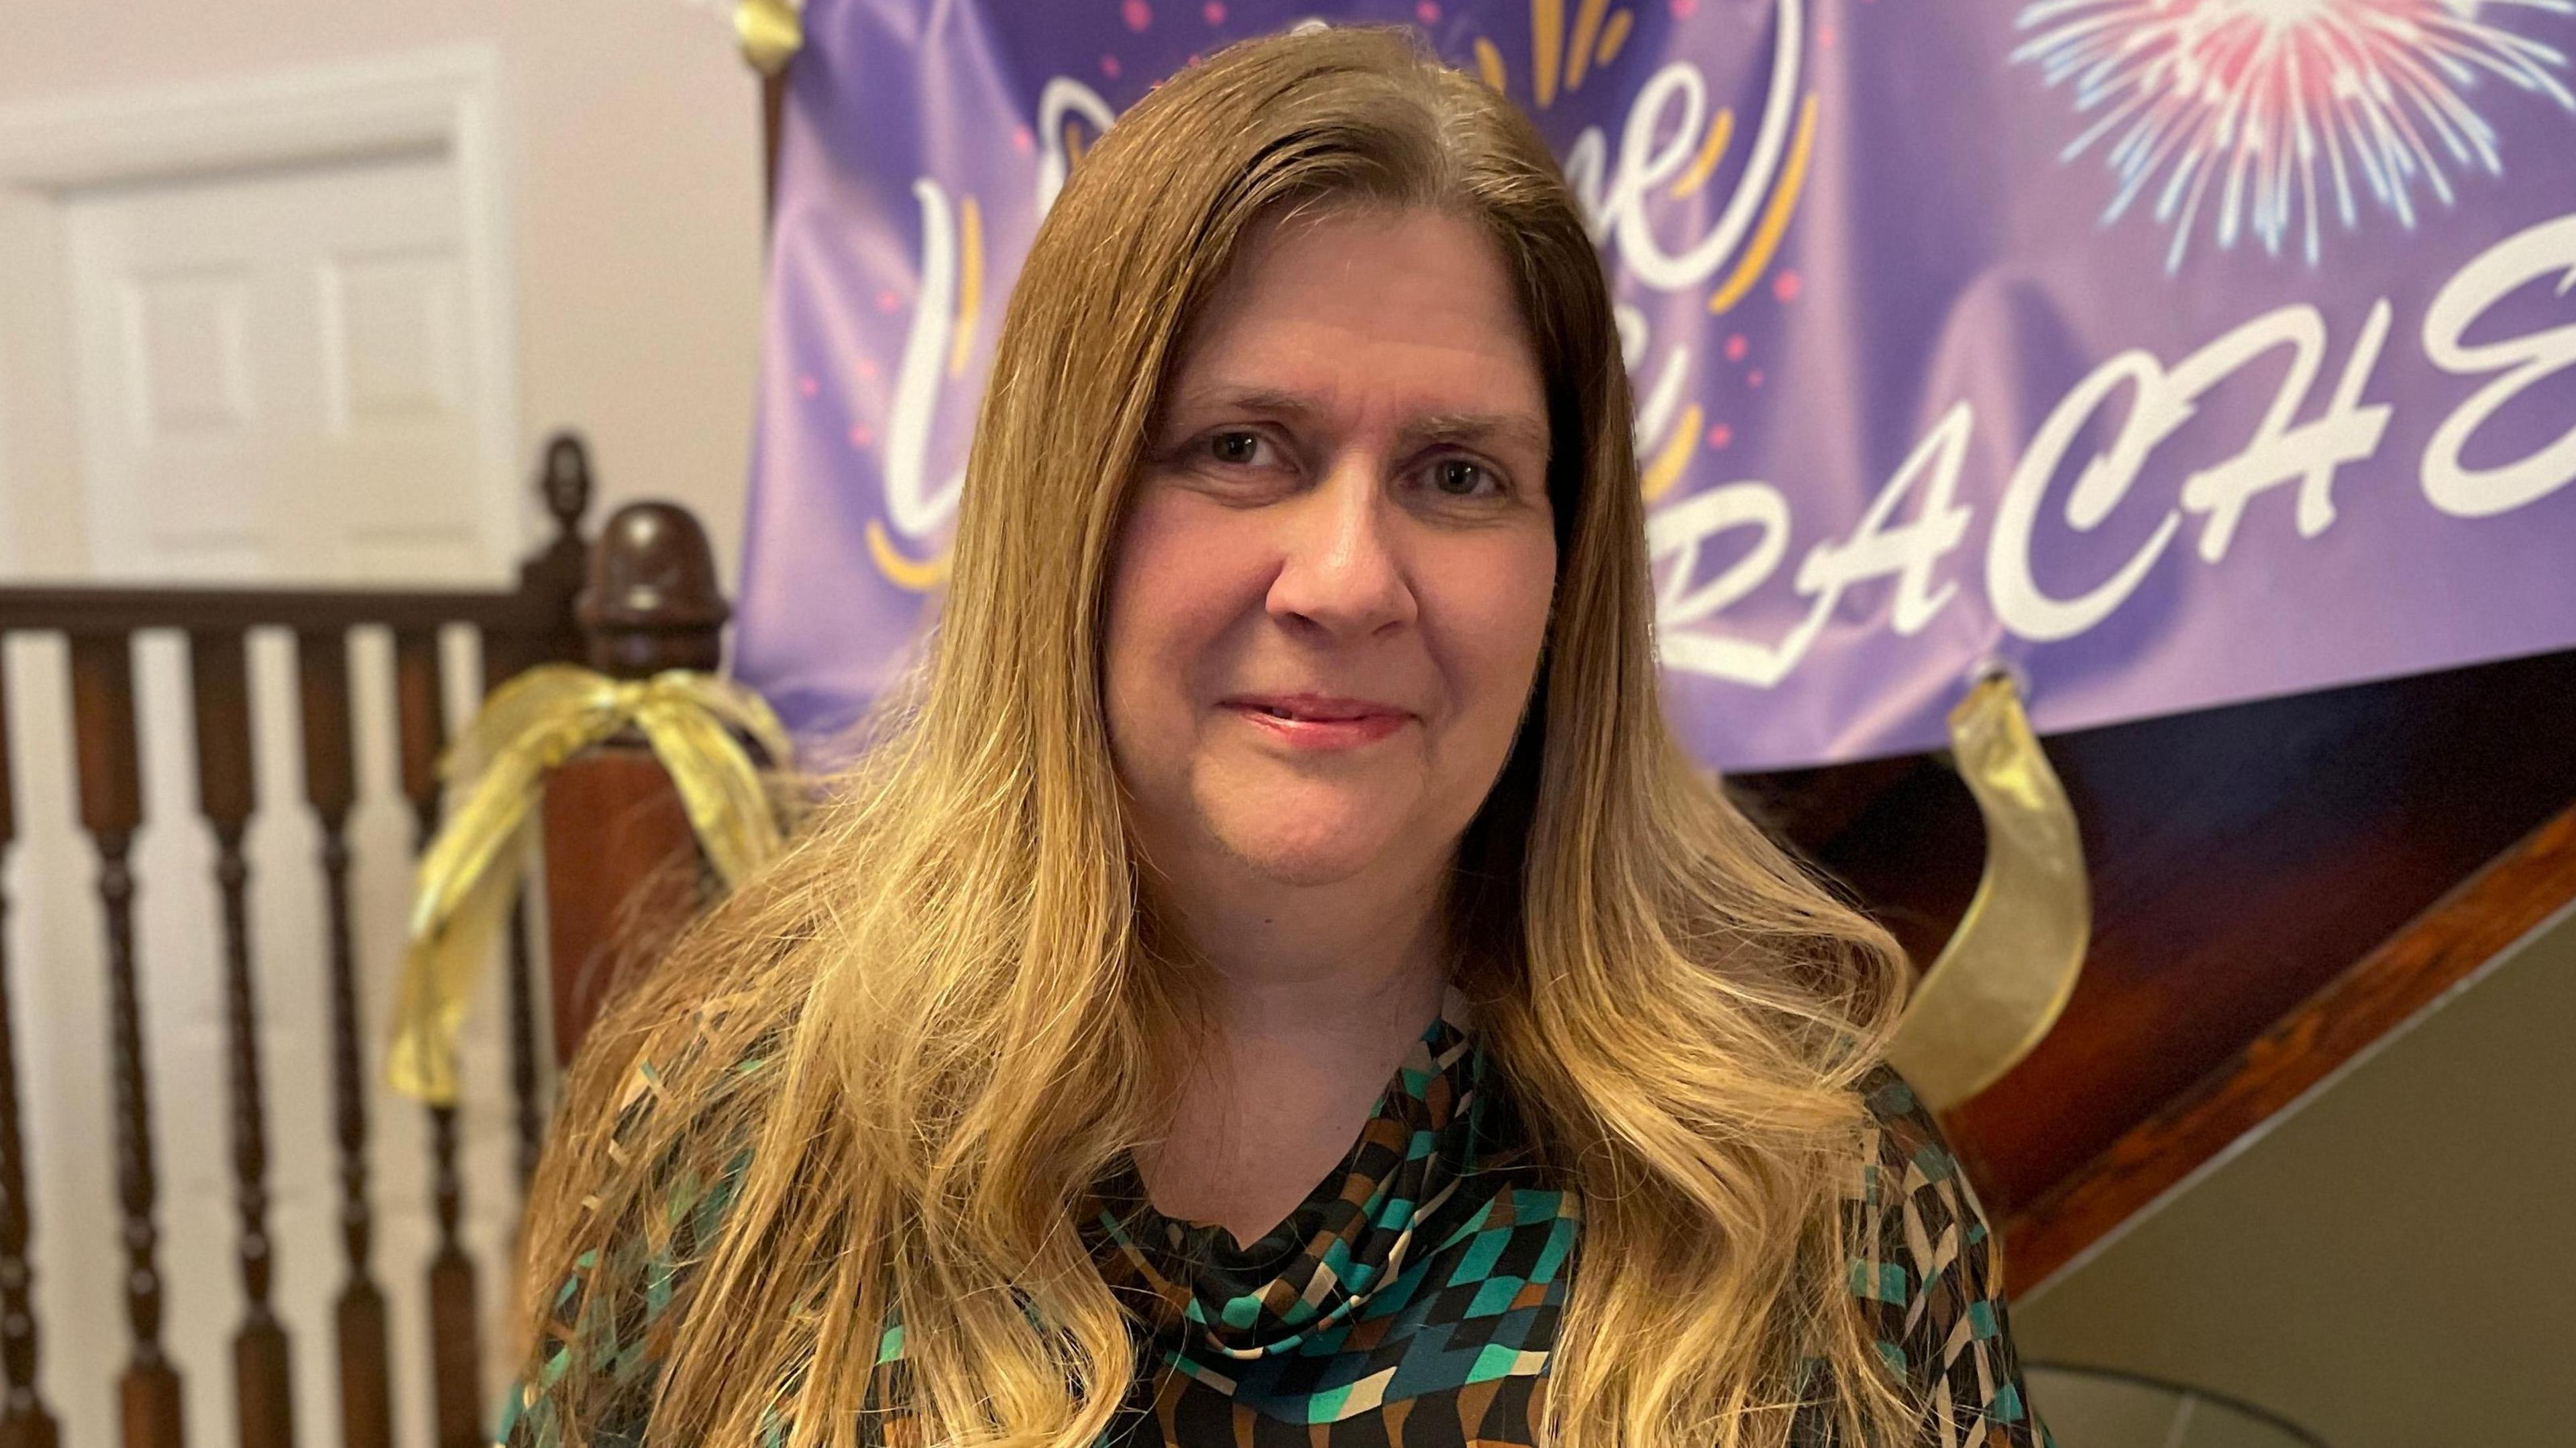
(1348, 1239)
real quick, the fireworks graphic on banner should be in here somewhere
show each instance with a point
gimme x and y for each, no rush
(2262, 115)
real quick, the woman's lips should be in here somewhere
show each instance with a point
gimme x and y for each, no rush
(1327, 733)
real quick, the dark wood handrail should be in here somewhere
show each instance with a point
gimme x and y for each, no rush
(84, 609)
(2435, 954)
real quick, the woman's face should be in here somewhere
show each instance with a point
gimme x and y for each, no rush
(1334, 575)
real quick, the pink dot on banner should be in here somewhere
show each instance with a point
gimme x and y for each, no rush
(1685, 9)
(1214, 10)
(1825, 37)
(1137, 14)
(1109, 66)
(1736, 347)
(867, 369)
(1719, 436)
(807, 386)
(1787, 285)
(1753, 378)
(1427, 12)
(888, 301)
(861, 437)
(1023, 139)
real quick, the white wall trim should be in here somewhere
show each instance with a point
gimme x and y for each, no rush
(410, 102)
(444, 100)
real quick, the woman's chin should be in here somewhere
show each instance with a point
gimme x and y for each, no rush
(1307, 848)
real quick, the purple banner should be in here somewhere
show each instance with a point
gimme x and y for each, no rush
(2170, 352)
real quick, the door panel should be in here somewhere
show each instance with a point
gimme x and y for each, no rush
(277, 376)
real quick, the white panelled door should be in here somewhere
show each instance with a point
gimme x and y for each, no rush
(281, 378)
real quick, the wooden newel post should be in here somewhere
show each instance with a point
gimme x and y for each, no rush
(622, 869)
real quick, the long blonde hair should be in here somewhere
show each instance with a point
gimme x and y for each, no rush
(962, 1011)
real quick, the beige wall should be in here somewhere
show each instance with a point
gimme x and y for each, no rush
(2390, 1264)
(632, 138)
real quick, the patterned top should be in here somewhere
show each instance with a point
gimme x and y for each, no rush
(1413, 1298)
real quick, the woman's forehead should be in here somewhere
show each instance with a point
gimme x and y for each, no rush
(1411, 310)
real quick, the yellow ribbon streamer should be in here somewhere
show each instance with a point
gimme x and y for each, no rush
(771, 32)
(495, 773)
(2008, 970)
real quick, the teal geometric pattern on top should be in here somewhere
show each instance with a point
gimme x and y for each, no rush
(1413, 1298)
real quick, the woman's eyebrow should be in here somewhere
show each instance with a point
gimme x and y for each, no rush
(1269, 401)
(1521, 428)
(1481, 427)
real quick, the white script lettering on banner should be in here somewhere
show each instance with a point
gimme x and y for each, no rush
(2281, 452)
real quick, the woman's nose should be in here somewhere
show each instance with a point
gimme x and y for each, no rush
(1342, 567)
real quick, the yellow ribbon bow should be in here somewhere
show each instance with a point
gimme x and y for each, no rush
(495, 773)
(2009, 969)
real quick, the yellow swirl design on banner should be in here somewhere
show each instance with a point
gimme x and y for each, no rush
(1578, 51)
(1489, 64)
(1547, 40)
(1775, 220)
(2009, 968)
(1675, 456)
(920, 575)
(1557, 56)
(1721, 130)
(1614, 36)
(495, 773)
(970, 284)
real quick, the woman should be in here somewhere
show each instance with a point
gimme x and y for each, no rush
(1289, 767)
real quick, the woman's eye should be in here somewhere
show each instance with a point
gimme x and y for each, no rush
(1463, 477)
(1238, 448)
